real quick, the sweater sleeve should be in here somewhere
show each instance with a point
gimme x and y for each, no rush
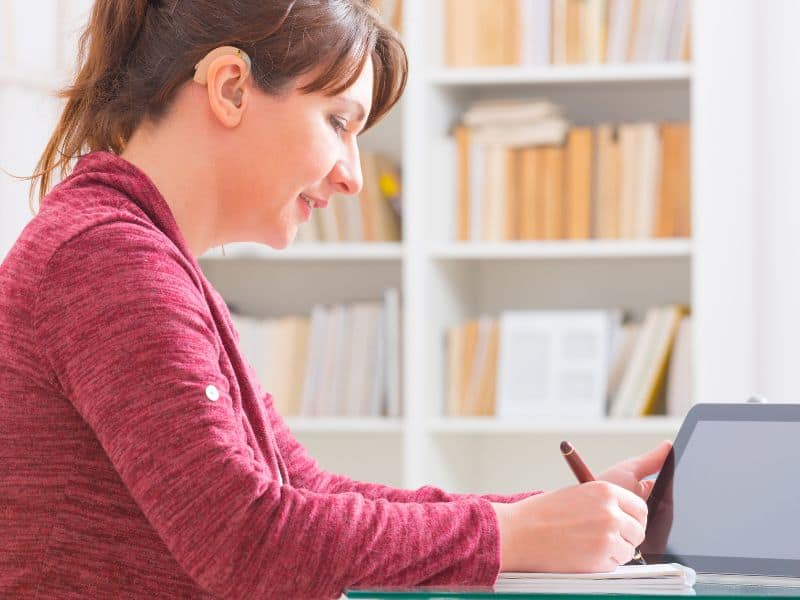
(305, 472)
(131, 342)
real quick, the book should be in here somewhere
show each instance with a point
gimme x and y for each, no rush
(456, 347)
(679, 31)
(529, 209)
(578, 182)
(487, 384)
(478, 368)
(552, 194)
(652, 384)
(621, 404)
(311, 379)
(510, 111)
(619, 25)
(299, 332)
(679, 378)
(392, 326)
(461, 32)
(553, 363)
(621, 354)
(606, 183)
(575, 31)
(535, 38)
(674, 194)
(630, 166)
(363, 382)
(643, 579)
(595, 31)
(520, 135)
(558, 32)
(495, 193)
(645, 27)
(645, 374)
(468, 363)
(462, 137)
(379, 220)
(647, 180)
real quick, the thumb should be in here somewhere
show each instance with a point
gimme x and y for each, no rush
(647, 487)
(650, 462)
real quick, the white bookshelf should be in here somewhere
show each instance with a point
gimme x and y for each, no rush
(444, 283)
(345, 426)
(578, 74)
(309, 252)
(593, 249)
(664, 426)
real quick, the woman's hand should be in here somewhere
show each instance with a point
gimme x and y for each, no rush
(591, 527)
(630, 473)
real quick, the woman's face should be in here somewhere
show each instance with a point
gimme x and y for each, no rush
(294, 150)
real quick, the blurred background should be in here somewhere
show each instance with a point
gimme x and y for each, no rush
(580, 220)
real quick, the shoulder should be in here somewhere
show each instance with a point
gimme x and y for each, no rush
(123, 245)
(119, 259)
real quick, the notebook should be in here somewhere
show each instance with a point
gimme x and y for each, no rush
(671, 578)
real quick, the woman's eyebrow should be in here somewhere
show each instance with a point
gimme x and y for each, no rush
(358, 108)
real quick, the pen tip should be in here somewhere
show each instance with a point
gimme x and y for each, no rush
(566, 447)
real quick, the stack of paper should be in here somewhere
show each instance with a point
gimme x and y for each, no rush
(634, 579)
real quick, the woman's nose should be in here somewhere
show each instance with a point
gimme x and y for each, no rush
(347, 177)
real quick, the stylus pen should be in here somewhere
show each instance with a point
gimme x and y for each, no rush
(584, 475)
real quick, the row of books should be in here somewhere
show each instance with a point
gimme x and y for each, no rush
(342, 360)
(576, 363)
(523, 173)
(375, 215)
(558, 32)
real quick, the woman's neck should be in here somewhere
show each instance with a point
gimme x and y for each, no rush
(175, 160)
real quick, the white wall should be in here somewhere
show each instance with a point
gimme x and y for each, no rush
(777, 200)
(38, 41)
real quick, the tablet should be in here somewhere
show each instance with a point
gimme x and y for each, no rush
(727, 500)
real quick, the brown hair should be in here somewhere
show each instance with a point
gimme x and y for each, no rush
(135, 54)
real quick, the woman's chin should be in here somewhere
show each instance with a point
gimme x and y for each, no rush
(282, 241)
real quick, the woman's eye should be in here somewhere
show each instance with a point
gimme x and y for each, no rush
(338, 124)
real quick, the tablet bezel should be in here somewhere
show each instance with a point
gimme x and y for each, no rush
(721, 564)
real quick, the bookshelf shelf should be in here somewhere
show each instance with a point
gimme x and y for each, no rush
(568, 74)
(592, 249)
(666, 426)
(345, 426)
(311, 252)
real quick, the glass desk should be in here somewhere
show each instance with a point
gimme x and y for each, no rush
(700, 590)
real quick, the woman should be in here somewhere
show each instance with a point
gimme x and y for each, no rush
(140, 457)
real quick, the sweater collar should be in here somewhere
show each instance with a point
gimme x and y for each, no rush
(111, 170)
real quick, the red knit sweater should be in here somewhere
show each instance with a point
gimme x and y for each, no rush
(123, 475)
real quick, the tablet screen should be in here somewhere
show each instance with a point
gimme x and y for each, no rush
(728, 499)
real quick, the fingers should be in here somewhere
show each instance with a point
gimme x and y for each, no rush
(631, 530)
(647, 487)
(651, 462)
(633, 505)
(623, 551)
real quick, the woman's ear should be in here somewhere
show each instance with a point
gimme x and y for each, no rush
(228, 89)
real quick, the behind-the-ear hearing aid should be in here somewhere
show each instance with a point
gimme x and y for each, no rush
(201, 68)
